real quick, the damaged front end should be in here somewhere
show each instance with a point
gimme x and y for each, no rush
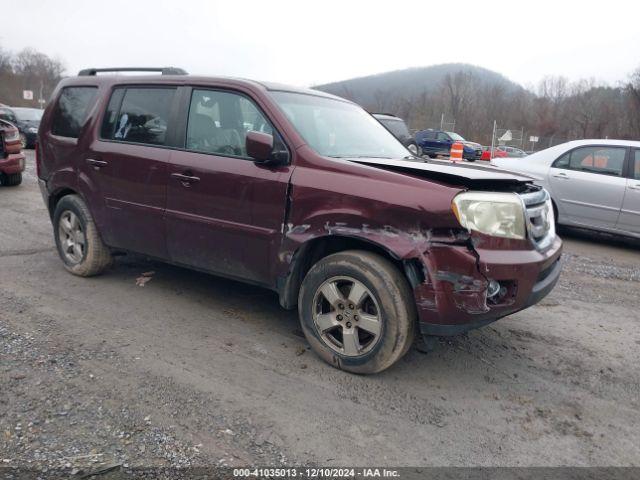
(469, 285)
(465, 272)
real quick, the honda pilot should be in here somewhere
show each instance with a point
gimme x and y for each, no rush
(297, 191)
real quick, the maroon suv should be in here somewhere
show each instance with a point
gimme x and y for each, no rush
(298, 191)
(12, 160)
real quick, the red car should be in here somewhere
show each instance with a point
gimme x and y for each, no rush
(12, 160)
(300, 192)
(486, 153)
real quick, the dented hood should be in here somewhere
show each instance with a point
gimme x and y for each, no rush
(461, 174)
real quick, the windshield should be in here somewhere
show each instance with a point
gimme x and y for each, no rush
(456, 137)
(338, 129)
(28, 114)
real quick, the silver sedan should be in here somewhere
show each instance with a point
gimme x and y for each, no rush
(594, 184)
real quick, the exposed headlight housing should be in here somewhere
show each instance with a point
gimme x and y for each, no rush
(11, 135)
(492, 213)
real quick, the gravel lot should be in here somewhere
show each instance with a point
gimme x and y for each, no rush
(195, 370)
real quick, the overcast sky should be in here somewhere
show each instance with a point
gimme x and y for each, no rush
(306, 43)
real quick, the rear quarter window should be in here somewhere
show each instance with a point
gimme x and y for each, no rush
(71, 110)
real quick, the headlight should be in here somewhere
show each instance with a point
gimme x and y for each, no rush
(11, 135)
(32, 130)
(495, 214)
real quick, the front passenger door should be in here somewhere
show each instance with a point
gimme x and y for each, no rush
(588, 185)
(444, 142)
(224, 212)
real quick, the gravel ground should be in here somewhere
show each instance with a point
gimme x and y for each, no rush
(193, 370)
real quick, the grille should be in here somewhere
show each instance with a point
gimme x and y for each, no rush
(539, 218)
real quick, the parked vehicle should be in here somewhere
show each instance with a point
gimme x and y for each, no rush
(12, 160)
(593, 184)
(511, 151)
(399, 129)
(486, 153)
(438, 142)
(298, 191)
(26, 119)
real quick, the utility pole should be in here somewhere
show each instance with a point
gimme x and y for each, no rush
(493, 138)
(40, 98)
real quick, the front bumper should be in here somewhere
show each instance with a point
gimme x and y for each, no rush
(453, 299)
(472, 154)
(13, 163)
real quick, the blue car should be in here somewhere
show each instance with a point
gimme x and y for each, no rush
(438, 142)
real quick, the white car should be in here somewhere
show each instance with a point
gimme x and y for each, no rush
(594, 184)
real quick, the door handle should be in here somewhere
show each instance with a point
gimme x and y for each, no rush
(563, 176)
(97, 164)
(185, 179)
(635, 187)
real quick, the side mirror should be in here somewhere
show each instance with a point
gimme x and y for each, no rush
(259, 146)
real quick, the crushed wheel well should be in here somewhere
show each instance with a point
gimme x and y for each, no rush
(315, 250)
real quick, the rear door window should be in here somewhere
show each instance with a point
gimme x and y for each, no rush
(138, 115)
(71, 110)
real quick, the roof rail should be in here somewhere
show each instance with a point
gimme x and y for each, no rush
(91, 72)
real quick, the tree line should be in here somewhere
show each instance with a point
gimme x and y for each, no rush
(556, 110)
(27, 70)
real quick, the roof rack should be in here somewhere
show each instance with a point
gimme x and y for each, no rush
(92, 72)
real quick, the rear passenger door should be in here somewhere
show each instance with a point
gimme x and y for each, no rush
(128, 167)
(629, 220)
(224, 211)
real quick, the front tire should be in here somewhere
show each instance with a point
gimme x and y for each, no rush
(79, 245)
(357, 311)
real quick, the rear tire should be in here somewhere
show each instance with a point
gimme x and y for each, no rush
(79, 244)
(374, 331)
(11, 180)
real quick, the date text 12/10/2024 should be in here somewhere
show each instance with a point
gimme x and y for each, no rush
(315, 472)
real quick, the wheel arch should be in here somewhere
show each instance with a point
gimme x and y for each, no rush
(57, 195)
(315, 249)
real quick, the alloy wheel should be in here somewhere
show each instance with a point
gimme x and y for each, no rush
(71, 236)
(347, 317)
